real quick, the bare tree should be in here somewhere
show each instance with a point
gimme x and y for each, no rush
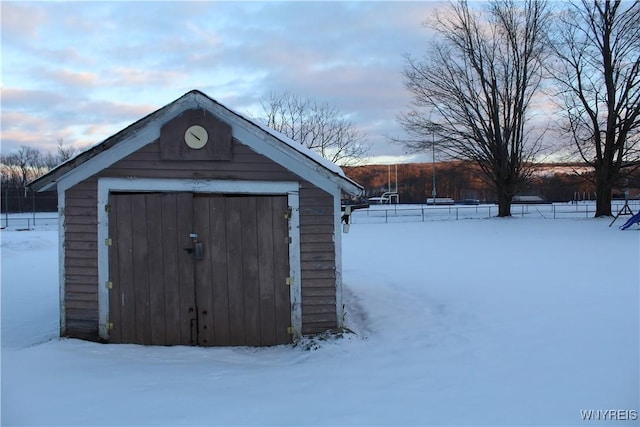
(27, 163)
(473, 89)
(319, 127)
(19, 168)
(598, 76)
(29, 160)
(64, 153)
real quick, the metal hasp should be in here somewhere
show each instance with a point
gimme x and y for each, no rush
(196, 247)
(199, 251)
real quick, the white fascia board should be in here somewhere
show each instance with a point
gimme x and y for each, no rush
(280, 152)
(146, 134)
(248, 133)
(105, 159)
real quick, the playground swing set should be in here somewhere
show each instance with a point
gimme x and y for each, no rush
(626, 210)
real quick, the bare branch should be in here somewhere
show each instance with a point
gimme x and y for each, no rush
(474, 87)
(319, 127)
(597, 71)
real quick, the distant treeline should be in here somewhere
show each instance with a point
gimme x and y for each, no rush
(26, 164)
(461, 180)
(458, 180)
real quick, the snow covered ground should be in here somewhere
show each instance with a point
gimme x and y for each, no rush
(474, 322)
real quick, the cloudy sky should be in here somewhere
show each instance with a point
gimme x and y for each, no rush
(81, 71)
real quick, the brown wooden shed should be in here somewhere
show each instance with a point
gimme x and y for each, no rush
(198, 226)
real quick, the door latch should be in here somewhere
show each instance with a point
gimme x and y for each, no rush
(196, 247)
(199, 251)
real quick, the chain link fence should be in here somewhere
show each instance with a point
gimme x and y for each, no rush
(416, 213)
(378, 214)
(28, 221)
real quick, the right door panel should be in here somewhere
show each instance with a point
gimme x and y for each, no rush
(241, 290)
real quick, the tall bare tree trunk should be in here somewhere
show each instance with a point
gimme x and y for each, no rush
(473, 91)
(504, 203)
(604, 185)
(598, 75)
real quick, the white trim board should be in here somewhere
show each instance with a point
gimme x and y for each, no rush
(337, 241)
(245, 132)
(149, 133)
(61, 261)
(194, 186)
(271, 147)
(107, 185)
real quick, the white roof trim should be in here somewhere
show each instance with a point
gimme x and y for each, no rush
(302, 161)
(291, 155)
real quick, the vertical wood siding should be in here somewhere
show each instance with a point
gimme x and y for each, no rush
(316, 232)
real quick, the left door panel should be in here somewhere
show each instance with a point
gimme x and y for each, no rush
(152, 300)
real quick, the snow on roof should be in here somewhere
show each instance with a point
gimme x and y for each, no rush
(301, 148)
(194, 96)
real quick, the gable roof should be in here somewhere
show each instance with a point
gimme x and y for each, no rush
(278, 147)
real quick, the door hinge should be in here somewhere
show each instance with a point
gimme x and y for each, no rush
(287, 213)
(108, 241)
(287, 240)
(291, 330)
(109, 326)
(107, 208)
(288, 281)
(108, 284)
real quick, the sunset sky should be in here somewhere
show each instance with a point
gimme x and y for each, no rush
(81, 71)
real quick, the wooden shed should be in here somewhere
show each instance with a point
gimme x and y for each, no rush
(198, 226)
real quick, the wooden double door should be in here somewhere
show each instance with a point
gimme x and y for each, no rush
(198, 269)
